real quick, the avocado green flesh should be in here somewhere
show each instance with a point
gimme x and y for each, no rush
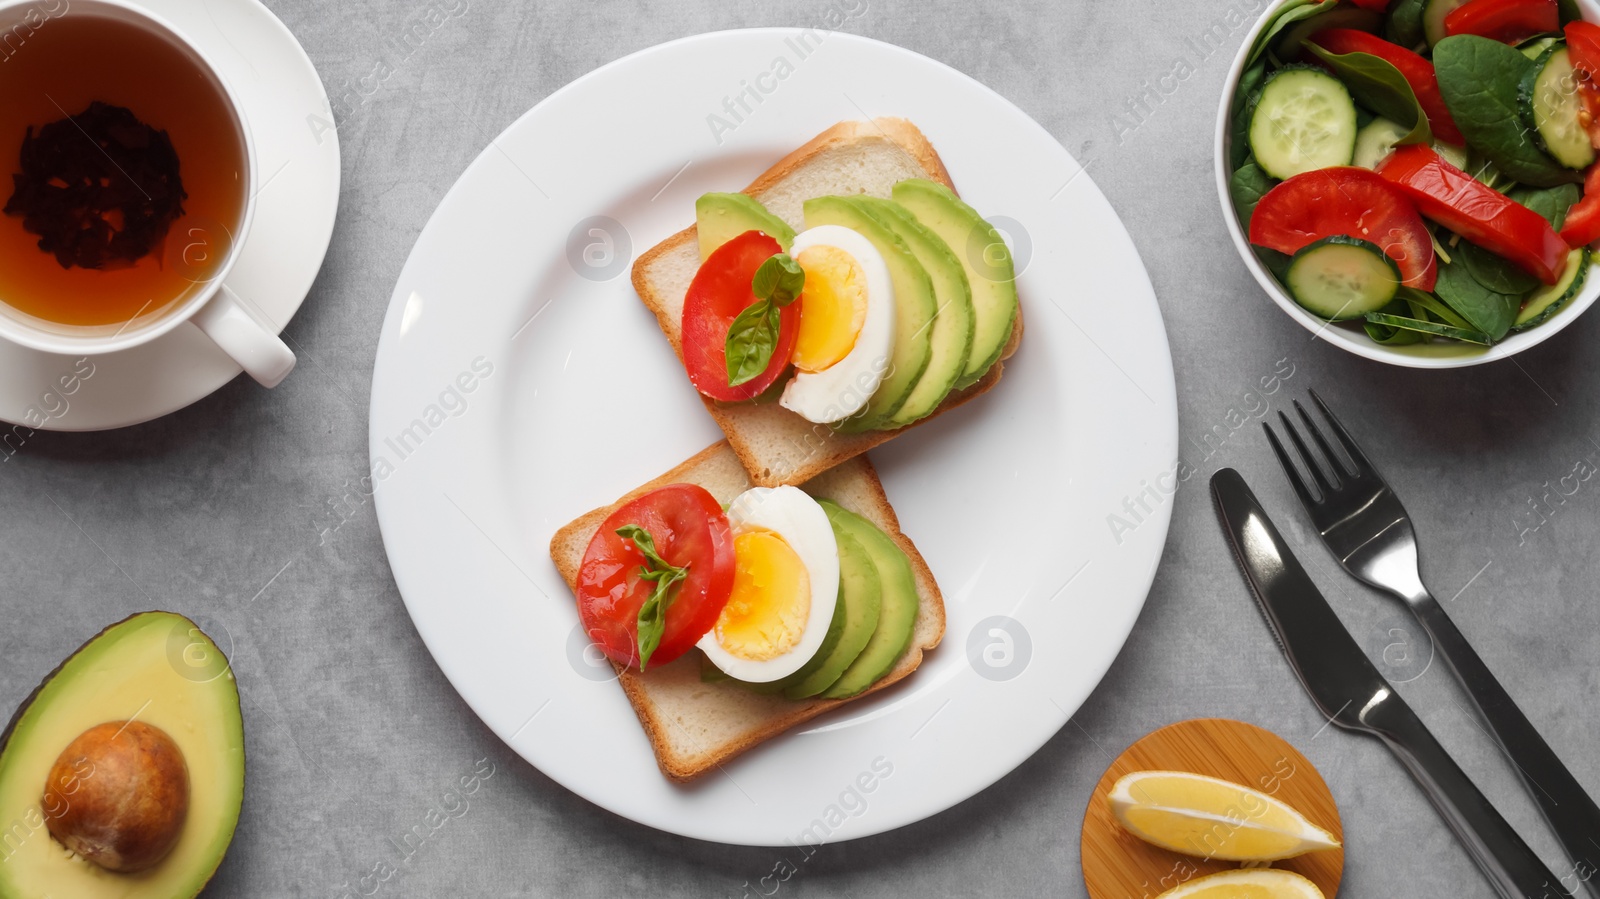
(951, 334)
(158, 667)
(984, 256)
(898, 604)
(914, 306)
(720, 218)
(859, 596)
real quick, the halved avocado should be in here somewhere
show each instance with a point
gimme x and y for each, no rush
(157, 668)
(719, 218)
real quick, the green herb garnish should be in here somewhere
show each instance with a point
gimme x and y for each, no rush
(653, 614)
(754, 333)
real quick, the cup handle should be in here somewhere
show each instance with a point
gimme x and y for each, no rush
(262, 354)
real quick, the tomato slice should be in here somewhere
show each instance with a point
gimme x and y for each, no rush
(1417, 71)
(1476, 211)
(690, 530)
(1349, 201)
(1582, 225)
(1583, 46)
(720, 291)
(1507, 21)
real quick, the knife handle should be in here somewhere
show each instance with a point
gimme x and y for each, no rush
(1572, 814)
(1506, 860)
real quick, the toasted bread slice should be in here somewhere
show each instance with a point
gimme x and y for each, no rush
(695, 726)
(775, 445)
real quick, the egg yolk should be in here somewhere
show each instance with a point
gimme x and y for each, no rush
(833, 307)
(766, 614)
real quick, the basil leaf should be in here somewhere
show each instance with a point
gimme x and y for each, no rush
(1495, 272)
(1480, 79)
(1405, 24)
(652, 619)
(1378, 85)
(1292, 12)
(1247, 186)
(751, 339)
(1483, 309)
(1550, 202)
(779, 279)
(1243, 107)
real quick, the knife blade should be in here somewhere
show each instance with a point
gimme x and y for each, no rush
(1351, 693)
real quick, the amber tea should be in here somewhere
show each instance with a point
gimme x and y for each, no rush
(123, 170)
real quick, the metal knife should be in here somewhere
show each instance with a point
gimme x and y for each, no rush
(1349, 690)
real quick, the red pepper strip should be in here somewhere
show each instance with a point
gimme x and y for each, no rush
(1582, 226)
(1417, 71)
(1476, 211)
(1507, 21)
(1583, 46)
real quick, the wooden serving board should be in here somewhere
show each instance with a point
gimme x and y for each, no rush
(1118, 865)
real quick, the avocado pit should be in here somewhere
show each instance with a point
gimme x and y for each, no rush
(119, 795)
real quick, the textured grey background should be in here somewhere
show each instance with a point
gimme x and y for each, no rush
(353, 734)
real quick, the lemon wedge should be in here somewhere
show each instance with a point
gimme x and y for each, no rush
(1260, 883)
(1210, 818)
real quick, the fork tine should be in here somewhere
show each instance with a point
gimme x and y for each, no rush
(1315, 470)
(1363, 466)
(1306, 499)
(1335, 464)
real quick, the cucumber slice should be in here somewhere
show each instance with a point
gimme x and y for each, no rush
(1535, 48)
(1550, 106)
(1340, 278)
(1377, 139)
(1303, 120)
(1431, 328)
(1433, 18)
(1548, 301)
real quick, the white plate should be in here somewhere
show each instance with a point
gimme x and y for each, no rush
(299, 195)
(577, 398)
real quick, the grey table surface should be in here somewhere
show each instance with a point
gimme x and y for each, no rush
(353, 734)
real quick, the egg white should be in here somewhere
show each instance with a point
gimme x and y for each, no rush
(842, 389)
(793, 515)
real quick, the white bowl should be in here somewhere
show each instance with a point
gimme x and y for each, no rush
(1419, 355)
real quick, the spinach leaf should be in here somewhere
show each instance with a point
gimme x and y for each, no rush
(1570, 11)
(1495, 272)
(1485, 310)
(1426, 306)
(1247, 186)
(1379, 86)
(1550, 202)
(1405, 23)
(1243, 105)
(1292, 12)
(1479, 79)
(1276, 262)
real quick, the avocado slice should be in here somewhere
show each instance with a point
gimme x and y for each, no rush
(914, 306)
(951, 335)
(985, 257)
(898, 606)
(157, 668)
(719, 218)
(858, 595)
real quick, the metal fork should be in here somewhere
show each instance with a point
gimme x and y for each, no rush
(1367, 529)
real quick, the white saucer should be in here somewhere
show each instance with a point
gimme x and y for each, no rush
(298, 153)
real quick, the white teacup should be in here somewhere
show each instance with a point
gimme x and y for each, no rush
(214, 309)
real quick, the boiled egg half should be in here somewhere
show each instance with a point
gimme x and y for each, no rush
(847, 323)
(785, 586)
